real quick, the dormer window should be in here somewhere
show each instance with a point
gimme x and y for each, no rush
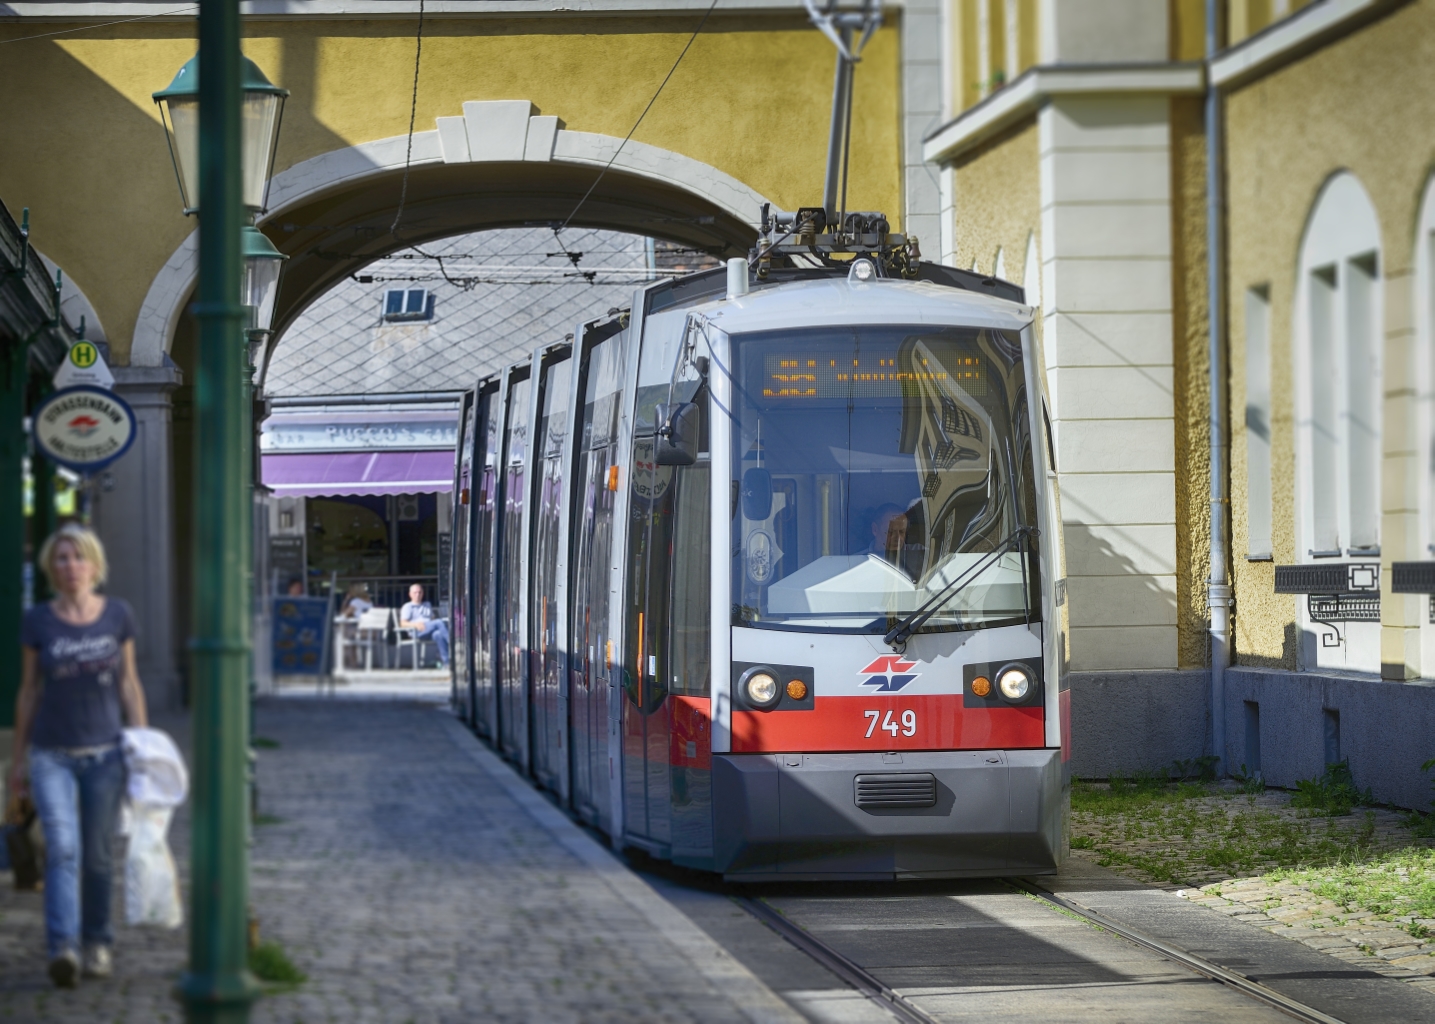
(408, 304)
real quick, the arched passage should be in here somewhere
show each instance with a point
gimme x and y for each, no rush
(334, 213)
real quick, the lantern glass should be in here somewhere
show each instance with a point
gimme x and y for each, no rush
(261, 288)
(262, 111)
(181, 121)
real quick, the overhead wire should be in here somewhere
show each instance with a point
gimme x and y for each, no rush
(106, 24)
(413, 113)
(557, 231)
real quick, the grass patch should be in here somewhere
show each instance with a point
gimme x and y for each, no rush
(1189, 833)
(271, 965)
(268, 819)
(264, 743)
(1400, 883)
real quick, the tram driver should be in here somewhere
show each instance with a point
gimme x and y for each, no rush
(889, 534)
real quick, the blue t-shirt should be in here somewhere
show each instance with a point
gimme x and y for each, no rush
(80, 669)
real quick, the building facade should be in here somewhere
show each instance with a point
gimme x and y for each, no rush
(1074, 162)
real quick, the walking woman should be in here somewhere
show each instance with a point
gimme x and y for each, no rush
(78, 679)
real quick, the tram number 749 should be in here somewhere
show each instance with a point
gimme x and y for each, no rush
(908, 725)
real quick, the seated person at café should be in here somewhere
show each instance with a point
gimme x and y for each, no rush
(419, 616)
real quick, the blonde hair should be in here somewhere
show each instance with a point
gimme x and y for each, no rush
(85, 542)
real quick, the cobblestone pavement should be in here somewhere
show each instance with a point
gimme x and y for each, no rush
(1381, 943)
(414, 879)
(1358, 937)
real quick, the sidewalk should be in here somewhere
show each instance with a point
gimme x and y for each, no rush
(413, 877)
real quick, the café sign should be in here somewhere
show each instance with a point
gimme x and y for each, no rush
(312, 435)
(83, 428)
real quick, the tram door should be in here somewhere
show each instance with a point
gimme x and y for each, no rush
(590, 650)
(488, 422)
(666, 741)
(512, 646)
(546, 663)
(460, 567)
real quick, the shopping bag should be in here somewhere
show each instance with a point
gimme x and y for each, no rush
(25, 844)
(156, 772)
(151, 882)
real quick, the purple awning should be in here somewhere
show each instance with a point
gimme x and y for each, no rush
(322, 474)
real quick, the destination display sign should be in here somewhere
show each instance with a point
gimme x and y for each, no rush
(83, 428)
(875, 375)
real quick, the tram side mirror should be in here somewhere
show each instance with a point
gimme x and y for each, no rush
(677, 440)
(756, 494)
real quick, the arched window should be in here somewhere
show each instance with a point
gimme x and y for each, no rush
(1338, 332)
(1338, 343)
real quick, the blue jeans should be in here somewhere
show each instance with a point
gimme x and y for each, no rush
(78, 800)
(437, 631)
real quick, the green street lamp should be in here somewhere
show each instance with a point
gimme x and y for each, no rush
(222, 135)
(262, 266)
(262, 108)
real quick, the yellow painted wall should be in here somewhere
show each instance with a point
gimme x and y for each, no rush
(83, 146)
(967, 85)
(1366, 104)
(1190, 377)
(997, 191)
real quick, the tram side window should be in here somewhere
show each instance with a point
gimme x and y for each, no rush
(692, 582)
(647, 673)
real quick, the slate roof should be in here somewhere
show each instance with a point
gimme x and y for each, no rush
(515, 290)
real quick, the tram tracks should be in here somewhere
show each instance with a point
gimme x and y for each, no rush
(853, 974)
(907, 1011)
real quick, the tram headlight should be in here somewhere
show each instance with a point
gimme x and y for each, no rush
(1014, 683)
(760, 688)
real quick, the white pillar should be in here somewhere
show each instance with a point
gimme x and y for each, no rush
(1106, 294)
(922, 91)
(133, 514)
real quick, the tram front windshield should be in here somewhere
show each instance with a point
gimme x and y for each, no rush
(879, 470)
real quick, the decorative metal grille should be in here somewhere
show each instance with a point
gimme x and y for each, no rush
(1343, 607)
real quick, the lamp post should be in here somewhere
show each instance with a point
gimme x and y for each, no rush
(221, 132)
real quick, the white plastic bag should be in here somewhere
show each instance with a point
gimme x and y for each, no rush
(156, 770)
(151, 882)
(157, 784)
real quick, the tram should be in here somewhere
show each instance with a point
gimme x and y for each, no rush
(763, 574)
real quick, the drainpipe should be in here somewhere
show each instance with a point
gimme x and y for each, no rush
(1218, 586)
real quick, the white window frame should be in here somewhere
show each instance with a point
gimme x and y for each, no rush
(403, 316)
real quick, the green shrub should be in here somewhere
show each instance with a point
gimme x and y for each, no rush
(1251, 782)
(1333, 794)
(1198, 769)
(272, 965)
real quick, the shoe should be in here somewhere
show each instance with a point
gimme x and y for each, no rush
(65, 969)
(98, 963)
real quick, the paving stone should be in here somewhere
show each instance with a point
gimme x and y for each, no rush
(410, 887)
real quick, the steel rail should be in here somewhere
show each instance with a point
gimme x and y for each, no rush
(1192, 962)
(835, 962)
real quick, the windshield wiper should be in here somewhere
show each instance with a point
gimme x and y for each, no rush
(897, 637)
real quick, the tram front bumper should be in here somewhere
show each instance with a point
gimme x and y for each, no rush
(790, 816)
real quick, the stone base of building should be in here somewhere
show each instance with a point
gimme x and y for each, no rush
(1386, 729)
(1128, 722)
(1284, 725)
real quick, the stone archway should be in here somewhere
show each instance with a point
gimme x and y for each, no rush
(501, 164)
